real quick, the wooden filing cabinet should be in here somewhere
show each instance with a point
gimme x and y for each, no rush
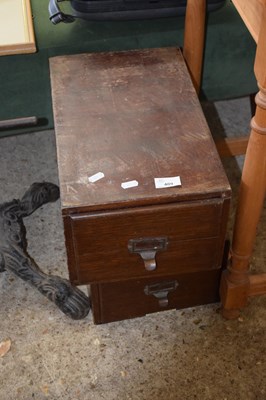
(134, 116)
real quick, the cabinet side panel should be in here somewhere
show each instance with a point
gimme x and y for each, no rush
(73, 276)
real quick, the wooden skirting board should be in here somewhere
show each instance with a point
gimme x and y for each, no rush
(232, 146)
(257, 284)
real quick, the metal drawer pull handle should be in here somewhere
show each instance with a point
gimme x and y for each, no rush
(161, 291)
(147, 249)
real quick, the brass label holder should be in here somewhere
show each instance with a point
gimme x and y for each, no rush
(147, 249)
(160, 291)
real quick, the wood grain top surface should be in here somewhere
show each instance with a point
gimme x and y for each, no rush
(133, 115)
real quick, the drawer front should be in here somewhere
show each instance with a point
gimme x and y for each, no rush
(122, 300)
(100, 242)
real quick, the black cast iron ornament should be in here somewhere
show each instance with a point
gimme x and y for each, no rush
(14, 257)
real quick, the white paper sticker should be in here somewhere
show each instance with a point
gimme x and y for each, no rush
(167, 182)
(129, 184)
(96, 177)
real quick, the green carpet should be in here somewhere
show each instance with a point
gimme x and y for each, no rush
(25, 83)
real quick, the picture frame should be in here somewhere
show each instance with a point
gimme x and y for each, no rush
(16, 27)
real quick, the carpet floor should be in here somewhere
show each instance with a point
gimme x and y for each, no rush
(188, 354)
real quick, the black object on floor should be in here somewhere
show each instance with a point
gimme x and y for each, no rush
(123, 9)
(18, 123)
(14, 257)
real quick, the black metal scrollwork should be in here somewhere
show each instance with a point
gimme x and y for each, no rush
(14, 257)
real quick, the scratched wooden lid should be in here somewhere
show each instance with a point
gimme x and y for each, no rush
(132, 116)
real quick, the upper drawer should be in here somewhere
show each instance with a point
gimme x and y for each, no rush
(101, 241)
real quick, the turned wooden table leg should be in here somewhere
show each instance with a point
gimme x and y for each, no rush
(235, 285)
(194, 36)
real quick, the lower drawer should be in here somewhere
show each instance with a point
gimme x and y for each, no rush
(135, 298)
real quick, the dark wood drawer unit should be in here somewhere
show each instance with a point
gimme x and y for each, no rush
(134, 116)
